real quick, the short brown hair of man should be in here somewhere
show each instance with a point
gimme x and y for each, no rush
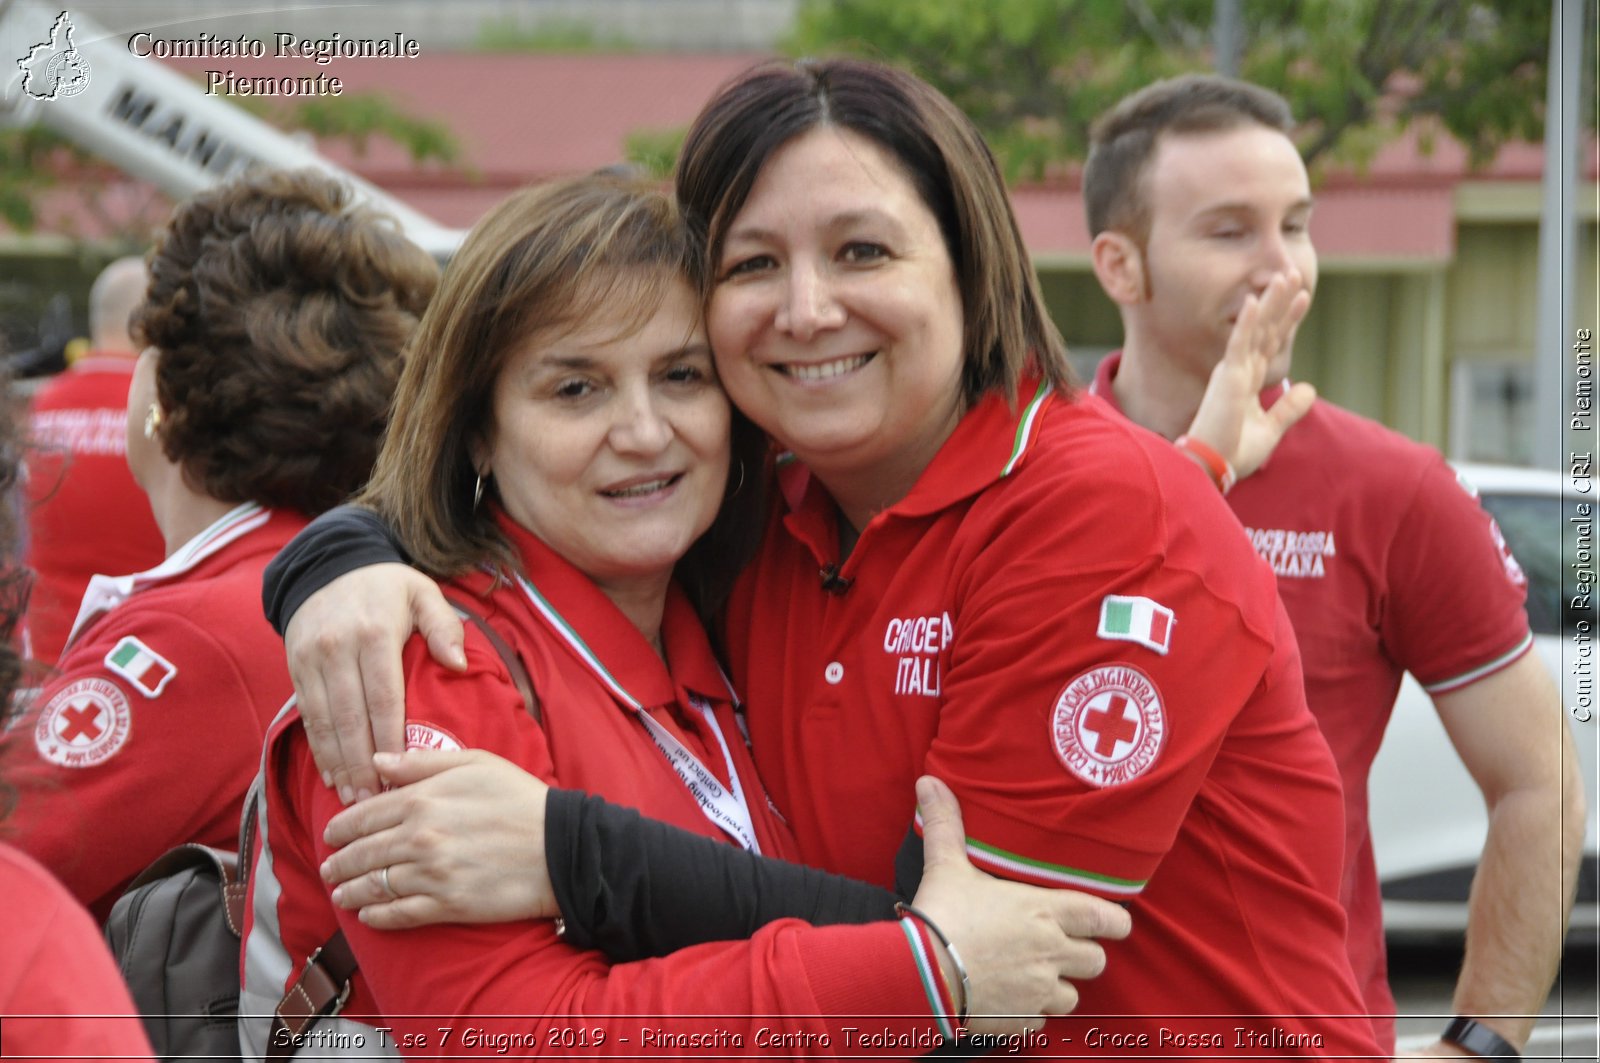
(279, 308)
(941, 152)
(550, 260)
(1123, 140)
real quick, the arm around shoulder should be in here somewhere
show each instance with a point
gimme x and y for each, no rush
(341, 540)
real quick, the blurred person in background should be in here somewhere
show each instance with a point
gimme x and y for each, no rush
(61, 994)
(85, 512)
(1196, 198)
(271, 333)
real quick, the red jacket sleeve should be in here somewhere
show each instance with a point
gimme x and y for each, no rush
(109, 776)
(1453, 612)
(1092, 685)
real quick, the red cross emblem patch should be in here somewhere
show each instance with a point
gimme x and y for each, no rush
(85, 723)
(1108, 725)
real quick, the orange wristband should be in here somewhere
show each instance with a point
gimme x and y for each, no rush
(1215, 465)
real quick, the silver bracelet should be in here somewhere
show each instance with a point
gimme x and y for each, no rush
(903, 910)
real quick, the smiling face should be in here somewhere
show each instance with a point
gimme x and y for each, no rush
(836, 318)
(613, 449)
(1228, 210)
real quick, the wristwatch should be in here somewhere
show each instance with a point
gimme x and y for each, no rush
(1478, 1039)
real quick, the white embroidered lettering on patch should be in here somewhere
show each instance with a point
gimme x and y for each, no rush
(917, 643)
(84, 724)
(1294, 554)
(1508, 560)
(427, 736)
(83, 431)
(1108, 725)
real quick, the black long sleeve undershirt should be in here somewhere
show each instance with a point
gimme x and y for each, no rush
(339, 541)
(634, 887)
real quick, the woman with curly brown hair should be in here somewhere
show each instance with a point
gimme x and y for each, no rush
(272, 330)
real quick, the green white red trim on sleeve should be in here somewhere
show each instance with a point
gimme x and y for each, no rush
(1467, 678)
(940, 1003)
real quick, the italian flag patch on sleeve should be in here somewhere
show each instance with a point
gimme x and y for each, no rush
(147, 670)
(1141, 620)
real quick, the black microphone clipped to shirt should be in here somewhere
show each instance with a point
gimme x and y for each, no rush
(832, 582)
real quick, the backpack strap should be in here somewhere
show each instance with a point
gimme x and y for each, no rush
(321, 990)
(236, 887)
(324, 982)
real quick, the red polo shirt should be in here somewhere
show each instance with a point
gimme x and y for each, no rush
(151, 731)
(1374, 542)
(592, 669)
(1063, 621)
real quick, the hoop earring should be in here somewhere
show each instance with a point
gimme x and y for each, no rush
(152, 421)
(477, 493)
(740, 485)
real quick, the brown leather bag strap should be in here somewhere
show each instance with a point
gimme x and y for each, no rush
(236, 888)
(512, 660)
(323, 986)
(321, 990)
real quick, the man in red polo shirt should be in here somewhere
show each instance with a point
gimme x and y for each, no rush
(1196, 198)
(85, 513)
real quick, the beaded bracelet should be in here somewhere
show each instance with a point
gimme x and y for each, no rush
(905, 911)
(1216, 466)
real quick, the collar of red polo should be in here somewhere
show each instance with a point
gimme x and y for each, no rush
(105, 593)
(991, 441)
(580, 614)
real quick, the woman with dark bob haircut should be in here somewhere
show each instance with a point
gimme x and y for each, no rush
(272, 329)
(559, 450)
(971, 571)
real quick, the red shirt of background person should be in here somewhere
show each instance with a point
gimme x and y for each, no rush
(1198, 198)
(1357, 560)
(560, 424)
(257, 403)
(86, 515)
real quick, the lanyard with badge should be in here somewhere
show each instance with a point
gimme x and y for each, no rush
(724, 806)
